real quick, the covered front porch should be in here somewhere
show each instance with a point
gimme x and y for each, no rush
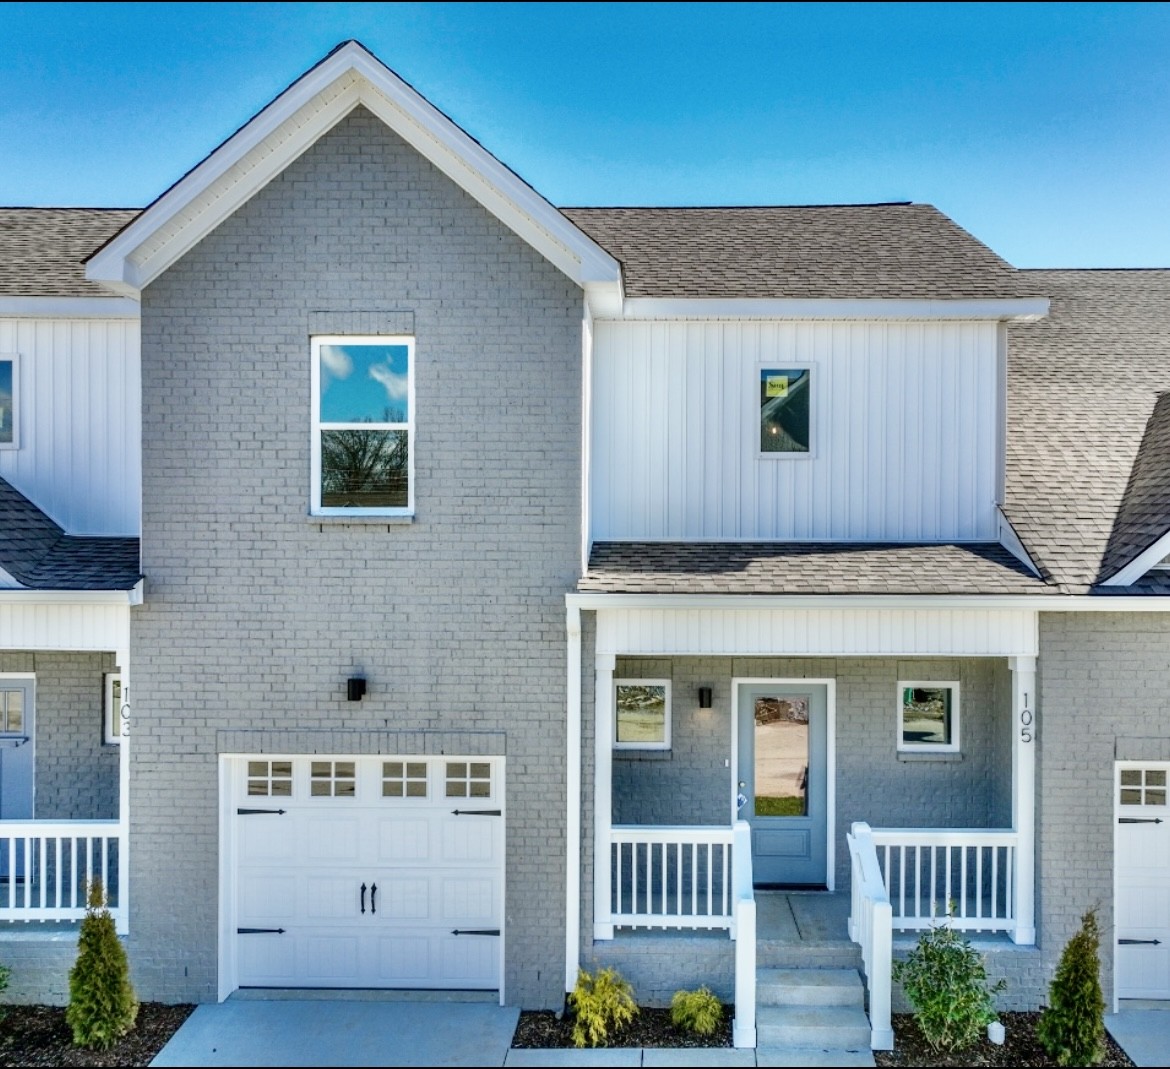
(792, 759)
(64, 758)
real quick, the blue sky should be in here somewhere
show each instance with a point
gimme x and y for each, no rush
(1044, 129)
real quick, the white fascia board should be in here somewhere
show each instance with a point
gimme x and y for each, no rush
(1015, 310)
(1032, 602)
(360, 79)
(1141, 564)
(1011, 541)
(68, 308)
(73, 597)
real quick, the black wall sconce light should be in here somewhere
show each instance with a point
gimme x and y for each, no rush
(355, 688)
(704, 697)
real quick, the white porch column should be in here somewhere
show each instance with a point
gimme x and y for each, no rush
(1024, 736)
(602, 794)
(122, 724)
(573, 799)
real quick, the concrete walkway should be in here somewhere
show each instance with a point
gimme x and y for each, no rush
(1142, 1030)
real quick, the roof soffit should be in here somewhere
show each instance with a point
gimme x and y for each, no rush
(287, 127)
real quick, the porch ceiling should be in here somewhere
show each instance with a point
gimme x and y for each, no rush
(807, 568)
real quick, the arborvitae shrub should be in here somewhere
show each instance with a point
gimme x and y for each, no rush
(603, 1004)
(1072, 1027)
(102, 1007)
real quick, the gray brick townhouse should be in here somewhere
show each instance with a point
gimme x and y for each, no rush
(407, 583)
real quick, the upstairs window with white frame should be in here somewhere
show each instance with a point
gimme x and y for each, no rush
(785, 411)
(928, 717)
(363, 426)
(9, 416)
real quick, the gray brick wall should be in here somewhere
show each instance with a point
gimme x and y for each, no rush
(255, 615)
(1103, 680)
(76, 776)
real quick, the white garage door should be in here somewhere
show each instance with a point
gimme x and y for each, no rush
(368, 871)
(1143, 880)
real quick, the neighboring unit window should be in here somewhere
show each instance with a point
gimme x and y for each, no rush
(113, 708)
(1143, 786)
(363, 425)
(642, 714)
(928, 716)
(785, 411)
(8, 426)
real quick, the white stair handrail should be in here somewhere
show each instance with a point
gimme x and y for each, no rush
(871, 926)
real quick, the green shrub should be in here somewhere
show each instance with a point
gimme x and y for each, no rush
(102, 1007)
(945, 980)
(603, 1004)
(696, 1011)
(1072, 1027)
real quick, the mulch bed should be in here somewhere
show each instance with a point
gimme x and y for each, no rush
(1020, 1047)
(539, 1029)
(38, 1035)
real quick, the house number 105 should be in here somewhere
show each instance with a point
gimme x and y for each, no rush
(1026, 725)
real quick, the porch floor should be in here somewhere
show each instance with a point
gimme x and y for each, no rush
(802, 916)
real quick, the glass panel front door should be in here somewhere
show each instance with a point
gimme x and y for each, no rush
(783, 781)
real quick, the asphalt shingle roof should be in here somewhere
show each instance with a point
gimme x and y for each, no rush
(806, 568)
(858, 252)
(42, 249)
(1088, 439)
(36, 552)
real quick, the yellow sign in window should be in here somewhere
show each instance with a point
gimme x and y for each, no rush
(776, 386)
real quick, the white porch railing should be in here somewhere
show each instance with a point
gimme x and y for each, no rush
(966, 873)
(46, 867)
(870, 926)
(743, 1028)
(671, 877)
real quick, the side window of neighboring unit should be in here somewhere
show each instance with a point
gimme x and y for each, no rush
(9, 416)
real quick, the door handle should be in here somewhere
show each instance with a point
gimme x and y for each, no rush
(363, 898)
(374, 898)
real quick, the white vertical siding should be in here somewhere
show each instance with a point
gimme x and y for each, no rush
(819, 632)
(80, 395)
(904, 428)
(62, 626)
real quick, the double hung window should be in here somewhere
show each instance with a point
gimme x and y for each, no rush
(363, 426)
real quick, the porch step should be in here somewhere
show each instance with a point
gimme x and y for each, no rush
(809, 987)
(785, 954)
(821, 1028)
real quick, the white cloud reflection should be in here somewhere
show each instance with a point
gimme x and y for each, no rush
(336, 361)
(393, 383)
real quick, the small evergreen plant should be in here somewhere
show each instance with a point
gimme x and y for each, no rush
(1072, 1026)
(102, 1006)
(696, 1011)
(945, 981)
(603, 1004)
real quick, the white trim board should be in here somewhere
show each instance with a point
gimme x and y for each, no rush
(821, 631)
(350, 76)
(830, 685)
(1016, 310)
(1141, 564)
(69, 308)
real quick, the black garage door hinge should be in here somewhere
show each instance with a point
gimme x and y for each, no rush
(260, 812)
(259, 931)
(475, 931)
(478, 812)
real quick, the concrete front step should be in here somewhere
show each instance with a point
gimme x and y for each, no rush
(797, 1056)
(778, 954)
(812, 1027)
(809, 987)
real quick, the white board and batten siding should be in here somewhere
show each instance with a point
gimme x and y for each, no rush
(905, 444)
(79, 455)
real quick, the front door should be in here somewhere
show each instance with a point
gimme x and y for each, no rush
(16, 749)
(783, 790)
